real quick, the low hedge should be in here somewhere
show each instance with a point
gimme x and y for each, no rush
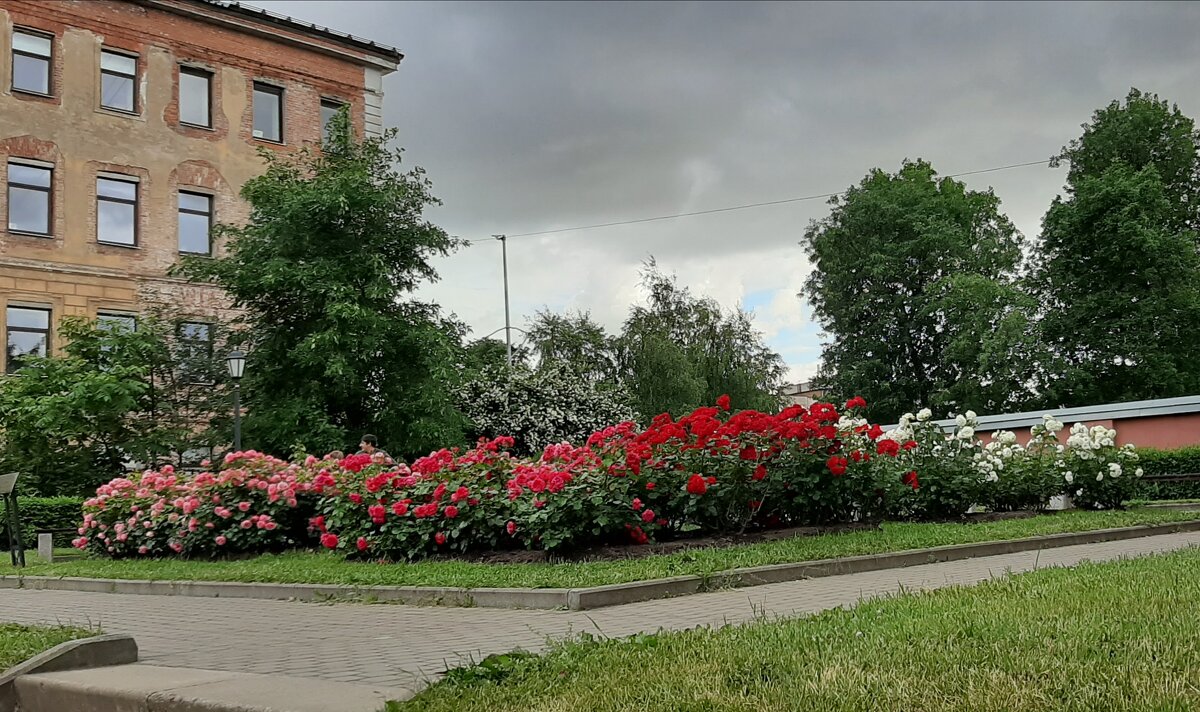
(1180, 461)
(39, 514)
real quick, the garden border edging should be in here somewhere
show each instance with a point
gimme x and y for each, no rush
(578, 599)
(94, 652)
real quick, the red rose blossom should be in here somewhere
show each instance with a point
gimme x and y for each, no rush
(696, 485)
(440, 538)
(910, 479)
(637, 504)
(377, 513)
(451, 512)
(890, 448)
(399, 509)
(356, 498)
(760, 473)
(723, 402)
(511, 527)
(362, 544)
(837, 465)
(329, 541)
(648, 516)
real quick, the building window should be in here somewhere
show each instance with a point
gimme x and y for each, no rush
(116, 211)
(29, 189)
(116, 322)
(329, 109)
(268, 112)
(28, 335)
(195, 97)
(31, 61)
(195, 351)
(195, 223)
(118, 81)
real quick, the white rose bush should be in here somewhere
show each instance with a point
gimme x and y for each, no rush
(1103, 475)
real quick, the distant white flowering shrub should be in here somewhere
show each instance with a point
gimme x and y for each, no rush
(540, 408)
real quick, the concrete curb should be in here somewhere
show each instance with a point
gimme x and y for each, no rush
(148, 688)
(85, 653)
(578, 599)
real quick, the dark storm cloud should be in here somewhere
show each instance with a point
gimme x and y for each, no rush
(552, 114)
(531, 116)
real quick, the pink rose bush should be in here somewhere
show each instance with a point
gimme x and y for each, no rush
(250, 504)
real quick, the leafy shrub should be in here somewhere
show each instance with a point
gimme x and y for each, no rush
(41, 514)
(1178, 461)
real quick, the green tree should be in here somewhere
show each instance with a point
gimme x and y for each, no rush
(574, 341)
(914, 283)
(1117, 273)
(114, 398)
(680, 351)
(323, 274)
(491, 353)
(1121, 291)
(1143, 131)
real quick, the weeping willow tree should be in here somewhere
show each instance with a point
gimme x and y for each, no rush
(680, 351)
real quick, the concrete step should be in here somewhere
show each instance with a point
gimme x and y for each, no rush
(149, 688)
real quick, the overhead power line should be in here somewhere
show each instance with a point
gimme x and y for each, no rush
(746, 206)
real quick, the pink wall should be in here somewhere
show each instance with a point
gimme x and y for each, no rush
(1158, 431)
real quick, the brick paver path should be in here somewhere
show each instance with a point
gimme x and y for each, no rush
(405, 646)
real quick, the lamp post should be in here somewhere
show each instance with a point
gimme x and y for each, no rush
(507, 324)
(236, 362)
(12, 518)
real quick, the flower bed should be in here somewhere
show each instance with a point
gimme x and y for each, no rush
(710, 472)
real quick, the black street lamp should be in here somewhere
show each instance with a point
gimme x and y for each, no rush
(236, 362)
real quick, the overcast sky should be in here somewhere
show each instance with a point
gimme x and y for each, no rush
(539, 116)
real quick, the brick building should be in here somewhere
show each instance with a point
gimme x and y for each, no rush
(127, 128)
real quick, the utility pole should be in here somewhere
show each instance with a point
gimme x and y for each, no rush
(507, 323)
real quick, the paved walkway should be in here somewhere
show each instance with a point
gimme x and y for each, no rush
(405, 645)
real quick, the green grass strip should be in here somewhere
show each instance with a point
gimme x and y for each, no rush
(326, 568)
(1117, 636)
(18, 643)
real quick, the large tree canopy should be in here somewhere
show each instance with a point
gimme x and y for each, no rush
(1139, 132)
(913, 282)
(323, 273)
(1121, 291)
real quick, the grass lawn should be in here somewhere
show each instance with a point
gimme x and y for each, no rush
(1113, 636)
(18, 643)
(326, 568)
